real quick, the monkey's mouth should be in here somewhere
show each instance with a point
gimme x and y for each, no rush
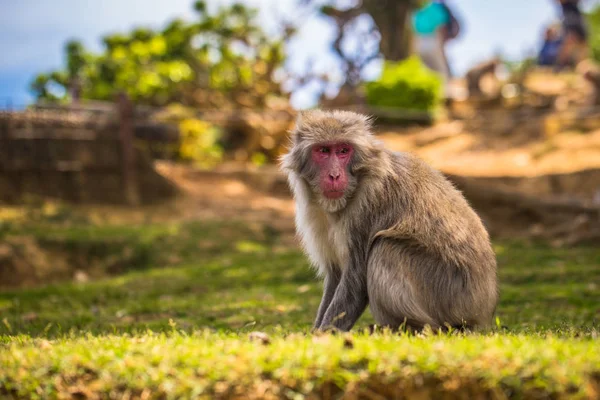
(333, 194)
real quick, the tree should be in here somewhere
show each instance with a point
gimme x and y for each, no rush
(40, 87)
(386, 36)
(221, 59)
(391, 19)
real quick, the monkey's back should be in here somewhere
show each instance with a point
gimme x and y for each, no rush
(443, 248)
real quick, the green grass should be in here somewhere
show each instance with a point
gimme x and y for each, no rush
(178, 325)
(223, 365)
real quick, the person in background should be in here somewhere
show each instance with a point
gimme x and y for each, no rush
(434, 25)
(574, 46)
(548, 54)
(451, 30)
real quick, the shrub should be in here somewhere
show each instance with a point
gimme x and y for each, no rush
(199, 142)
(593, 21)
(407, 84)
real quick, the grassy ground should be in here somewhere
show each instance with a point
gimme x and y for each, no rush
(179, 324)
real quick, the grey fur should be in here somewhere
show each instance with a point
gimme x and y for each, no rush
(331, 282)
(402, 238)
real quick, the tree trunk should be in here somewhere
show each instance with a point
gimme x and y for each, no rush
(392, 20)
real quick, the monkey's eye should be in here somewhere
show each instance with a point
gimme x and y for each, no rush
(344, 150)
(324, 150)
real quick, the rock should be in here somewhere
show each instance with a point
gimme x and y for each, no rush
(260, 337)
(80, 276)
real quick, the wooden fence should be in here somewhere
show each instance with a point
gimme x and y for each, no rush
(78, 155)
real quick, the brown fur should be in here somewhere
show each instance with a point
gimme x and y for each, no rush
(402, 238)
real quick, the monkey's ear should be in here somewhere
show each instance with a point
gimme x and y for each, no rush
(296, 132)
(300, 118)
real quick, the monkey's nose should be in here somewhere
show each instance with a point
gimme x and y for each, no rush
(334, 176)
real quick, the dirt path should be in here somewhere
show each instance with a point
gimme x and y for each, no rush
(233, 191)
(453, 149)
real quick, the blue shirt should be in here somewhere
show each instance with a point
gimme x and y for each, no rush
(428, 19)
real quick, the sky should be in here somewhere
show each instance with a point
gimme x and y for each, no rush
(33, 33)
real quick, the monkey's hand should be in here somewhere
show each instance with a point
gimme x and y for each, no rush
(348, 304)
(332, 280)
(328, 331)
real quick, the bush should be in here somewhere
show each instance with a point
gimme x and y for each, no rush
(199, 142)
(408, 84)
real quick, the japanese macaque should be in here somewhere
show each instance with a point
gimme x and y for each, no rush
(384, 229)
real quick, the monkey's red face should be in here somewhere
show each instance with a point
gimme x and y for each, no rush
(332, 160)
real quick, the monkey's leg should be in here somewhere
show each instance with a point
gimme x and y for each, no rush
(393, 300)
(332, 280)
(349, 301)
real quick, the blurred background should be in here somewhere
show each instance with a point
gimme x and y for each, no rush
(125, 124)
(35, 35)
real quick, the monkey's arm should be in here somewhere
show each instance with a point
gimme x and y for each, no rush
(349, 301)
(332, 280)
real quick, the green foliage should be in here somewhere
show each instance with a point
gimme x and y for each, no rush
(220, 58)
(41, 88)
(199, 142)
(76, 58)
(259, 159)
(407, 84)
(593, 21)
